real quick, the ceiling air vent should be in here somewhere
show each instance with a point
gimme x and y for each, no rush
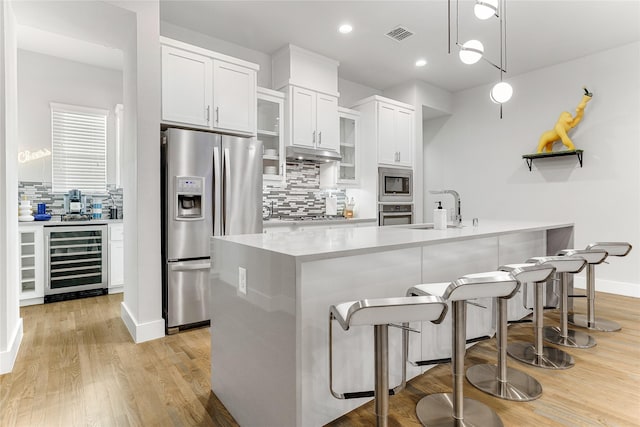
(399, 33)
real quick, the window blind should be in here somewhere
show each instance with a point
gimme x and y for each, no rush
(79, 148)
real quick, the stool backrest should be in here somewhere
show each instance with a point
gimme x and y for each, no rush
(562, 264)
(529, 272)
(595, 256)
(383, 311)
(482, 285)
(612, 248)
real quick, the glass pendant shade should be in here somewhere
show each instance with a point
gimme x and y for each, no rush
(471, 52)
(485, 9)
(501, 92)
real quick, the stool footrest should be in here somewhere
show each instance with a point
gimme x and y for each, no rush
(577, 296)
(432, 362)
(520, 321)
(369, 393)
(478, 339)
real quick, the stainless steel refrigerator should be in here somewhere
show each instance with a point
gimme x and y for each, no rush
(211, 186)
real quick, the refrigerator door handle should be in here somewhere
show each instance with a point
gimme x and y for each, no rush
(226, 170)
(187, 267)
(216, 208)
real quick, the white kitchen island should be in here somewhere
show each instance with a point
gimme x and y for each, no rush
(269, 347)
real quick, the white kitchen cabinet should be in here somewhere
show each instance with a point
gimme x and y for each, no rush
(391, 125)
(313, 119)
(234, 98)
(186, 87)
(31, 265)
(270, 131)
(116, 257)
(208, 90)
(349, 147)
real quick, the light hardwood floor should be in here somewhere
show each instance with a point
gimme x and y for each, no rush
(78, 366)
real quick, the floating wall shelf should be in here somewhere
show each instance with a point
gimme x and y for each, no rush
(531, 157)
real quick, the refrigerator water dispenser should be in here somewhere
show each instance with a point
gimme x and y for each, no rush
(189, 197)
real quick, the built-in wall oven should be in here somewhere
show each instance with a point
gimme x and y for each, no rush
(395, 185)
(395, 214)
(76, 261)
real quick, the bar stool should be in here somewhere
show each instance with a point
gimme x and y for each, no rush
(380, 313)
(500, 380)
(453, 408)
(562, 335)
(537, 354)
(589, 320)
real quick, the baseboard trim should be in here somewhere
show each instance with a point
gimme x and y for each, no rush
(8, 358)
(141, 332)
(609, 286)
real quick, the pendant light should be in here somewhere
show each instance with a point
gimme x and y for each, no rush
(473, 50)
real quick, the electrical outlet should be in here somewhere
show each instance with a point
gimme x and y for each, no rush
(242, 280)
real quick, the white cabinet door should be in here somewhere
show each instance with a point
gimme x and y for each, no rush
(186, 87)
(386, 134)
(404, 137)
(303, 107)
(116, 256)
(327, 122)
(234, 98)
(31, 265)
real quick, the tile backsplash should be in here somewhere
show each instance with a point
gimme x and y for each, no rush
(40, 192)
(302, 195)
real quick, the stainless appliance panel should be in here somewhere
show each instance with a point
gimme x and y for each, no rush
(242, 185)
(395, 185)
(188, 292)
(76, 258)
(189, 154)
(395, 214)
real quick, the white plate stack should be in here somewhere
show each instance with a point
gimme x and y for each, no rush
(24, 211)
(270, 170)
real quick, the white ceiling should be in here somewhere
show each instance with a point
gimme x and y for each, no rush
(539, 34)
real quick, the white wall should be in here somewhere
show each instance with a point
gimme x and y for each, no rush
(350, 92)
(43, 79)
(221, 46)
(10, 321)
(479, 155)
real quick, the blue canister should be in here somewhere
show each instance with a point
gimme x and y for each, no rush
(42, 208)
(96, 210)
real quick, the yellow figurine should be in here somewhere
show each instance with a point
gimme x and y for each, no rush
(564, 123)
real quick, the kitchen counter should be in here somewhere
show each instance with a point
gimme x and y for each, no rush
(57, 222)
(269, 345)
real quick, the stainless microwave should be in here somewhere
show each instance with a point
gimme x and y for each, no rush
(395, 185)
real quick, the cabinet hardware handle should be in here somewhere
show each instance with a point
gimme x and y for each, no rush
(399, 155)
(217, 114)
(319, 137)
(314, 136)
(208, 107)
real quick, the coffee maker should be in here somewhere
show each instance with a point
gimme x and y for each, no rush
(75, 202)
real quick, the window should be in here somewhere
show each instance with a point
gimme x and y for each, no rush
(79, 148)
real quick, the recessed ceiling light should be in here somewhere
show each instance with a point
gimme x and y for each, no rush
(421, 62)
(345, 28)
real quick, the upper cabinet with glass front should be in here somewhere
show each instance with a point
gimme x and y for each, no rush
(208, 90)
(348, 166)
(270, 126)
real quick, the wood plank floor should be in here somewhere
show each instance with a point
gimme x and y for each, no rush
(78, 366)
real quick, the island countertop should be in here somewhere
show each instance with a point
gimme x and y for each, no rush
(271, 293)
(313, 244)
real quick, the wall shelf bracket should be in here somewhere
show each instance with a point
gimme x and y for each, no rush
(531, 157)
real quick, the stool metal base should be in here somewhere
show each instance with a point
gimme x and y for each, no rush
(600, 324)
(436, 410)
(575, 339)
(551, 358)
(519, 386)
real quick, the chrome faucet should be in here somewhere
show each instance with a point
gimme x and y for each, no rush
(456, 197)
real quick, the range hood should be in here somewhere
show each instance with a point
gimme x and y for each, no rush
(304, 154)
